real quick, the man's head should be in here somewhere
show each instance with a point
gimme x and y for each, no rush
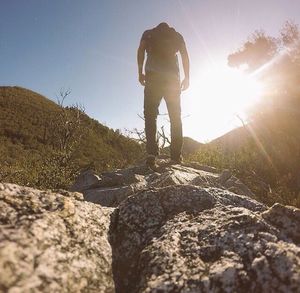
(163, 25)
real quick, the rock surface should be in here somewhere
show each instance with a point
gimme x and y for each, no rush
(110, 189)
(192, 239)
(53, 242)
(183, 229)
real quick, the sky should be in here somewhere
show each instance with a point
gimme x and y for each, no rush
(90, 48)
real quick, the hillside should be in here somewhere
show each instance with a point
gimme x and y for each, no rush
(264, 153)
(276, 141)
(30, 129)
(233, 139)
(190, 146)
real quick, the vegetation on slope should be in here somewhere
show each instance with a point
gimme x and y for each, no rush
(45, 145)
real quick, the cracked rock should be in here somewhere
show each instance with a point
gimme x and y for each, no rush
(51, 242)
(192, 239)
(181, 229)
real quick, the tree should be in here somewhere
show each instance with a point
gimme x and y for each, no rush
(67, 126)
(257, 51)
(276, 62)
(162, 138)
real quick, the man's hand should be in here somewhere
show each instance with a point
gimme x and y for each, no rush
(142, 79)
(185, 84)
(140, 60)
(186, 67)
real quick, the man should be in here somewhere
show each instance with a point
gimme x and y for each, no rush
(162, 80)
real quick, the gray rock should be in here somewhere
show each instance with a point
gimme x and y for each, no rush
(113, 187)
(108, 197)
(119, 179)
(85, 180)
(50, 242)
(177, 230)
(224, 176)
(235, 185)
(191, 239)
(198, 166)
(286, 219)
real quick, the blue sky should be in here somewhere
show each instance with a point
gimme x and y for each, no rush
(90, 47)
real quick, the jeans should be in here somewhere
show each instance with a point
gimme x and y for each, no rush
(156, 88)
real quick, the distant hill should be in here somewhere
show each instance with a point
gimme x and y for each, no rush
(278, 147)
(265, 154)
(233, 139)
(190, 146)
(25, 132)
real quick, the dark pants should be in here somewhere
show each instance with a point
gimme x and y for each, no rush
(156, 88)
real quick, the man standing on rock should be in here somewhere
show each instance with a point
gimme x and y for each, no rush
(162, 80)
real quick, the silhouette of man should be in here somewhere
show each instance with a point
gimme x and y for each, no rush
(162, 80)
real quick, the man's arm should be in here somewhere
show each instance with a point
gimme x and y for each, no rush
(140, 61)
(186, 67)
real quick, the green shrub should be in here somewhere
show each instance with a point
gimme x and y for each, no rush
(256, 170)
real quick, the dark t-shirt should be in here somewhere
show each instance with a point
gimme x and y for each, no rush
(161, 48)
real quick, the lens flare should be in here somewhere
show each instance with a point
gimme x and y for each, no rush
(229, 89)
(218, 99)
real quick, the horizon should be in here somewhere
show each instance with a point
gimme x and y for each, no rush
(91, 49)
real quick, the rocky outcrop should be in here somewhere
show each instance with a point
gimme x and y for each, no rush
(111, 188)
(192, 239)
(53, 242)
(182, 229)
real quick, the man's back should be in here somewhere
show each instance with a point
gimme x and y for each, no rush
(161, 44)
(162, 80)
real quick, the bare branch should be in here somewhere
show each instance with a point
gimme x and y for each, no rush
(63, 94)
(141, 117)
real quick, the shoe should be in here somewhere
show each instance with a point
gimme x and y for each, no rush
(150, 162)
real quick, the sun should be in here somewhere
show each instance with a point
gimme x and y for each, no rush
(218, 98)
(230, 89)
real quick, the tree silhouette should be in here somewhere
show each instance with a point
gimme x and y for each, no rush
(275, 61)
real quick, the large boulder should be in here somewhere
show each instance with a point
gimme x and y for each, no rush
(53, 242)
(186, 228)
(191, 239)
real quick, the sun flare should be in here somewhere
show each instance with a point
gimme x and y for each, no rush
(218, 98)
(228, 89)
